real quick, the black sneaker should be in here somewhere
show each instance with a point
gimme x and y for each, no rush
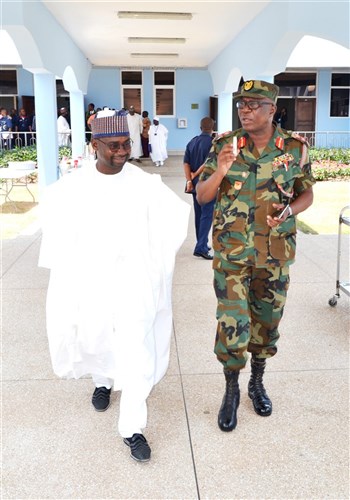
(101, 398)
(140, 450)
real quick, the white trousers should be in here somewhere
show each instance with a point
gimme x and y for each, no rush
(133, 407)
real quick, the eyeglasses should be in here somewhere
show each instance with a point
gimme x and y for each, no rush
(116, 146)
(252, 105)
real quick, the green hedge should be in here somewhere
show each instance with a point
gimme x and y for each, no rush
(332, 154)
(327, 164)
(27, 154)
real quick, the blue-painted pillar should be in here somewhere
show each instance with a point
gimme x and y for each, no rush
(77, 118)
(46, 128)
(224, 112)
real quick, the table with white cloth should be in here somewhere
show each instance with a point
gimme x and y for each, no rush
(15, 177)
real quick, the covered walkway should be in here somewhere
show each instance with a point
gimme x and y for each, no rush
(55, 446)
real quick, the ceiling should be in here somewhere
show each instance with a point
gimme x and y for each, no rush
(103, 37)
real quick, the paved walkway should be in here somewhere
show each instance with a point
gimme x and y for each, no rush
(55, 446)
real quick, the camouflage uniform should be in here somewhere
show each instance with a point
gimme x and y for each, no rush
(251, 260)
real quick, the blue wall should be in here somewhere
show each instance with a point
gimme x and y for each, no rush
(324, 120)
(104, 88)
(326, 124)
(193, 86)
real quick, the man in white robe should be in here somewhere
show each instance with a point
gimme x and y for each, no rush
(135, 128)
(111, 247)
(158, 138)
(63, 128)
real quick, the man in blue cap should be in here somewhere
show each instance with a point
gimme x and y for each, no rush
(111, 246)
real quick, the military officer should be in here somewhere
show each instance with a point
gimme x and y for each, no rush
(261, 178)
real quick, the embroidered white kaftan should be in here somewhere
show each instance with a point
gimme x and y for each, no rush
(63, 130)
(135, 129)
(110, 242)
(158, 137)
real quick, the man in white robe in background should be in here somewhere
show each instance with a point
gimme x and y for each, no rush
(63, 128)
(111, 247)
(135, 128)
(158, 138)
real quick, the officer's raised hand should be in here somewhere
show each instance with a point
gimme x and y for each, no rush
(225, 158)
(207, 190)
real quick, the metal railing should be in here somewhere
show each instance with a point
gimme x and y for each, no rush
(11, 140)
(327, 139)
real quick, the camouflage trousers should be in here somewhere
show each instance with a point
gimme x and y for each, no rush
(249, 309)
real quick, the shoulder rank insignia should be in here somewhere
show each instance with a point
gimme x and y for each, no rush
(242, 141)
(279, 142)
(300, 138)
(223, 135)
(282, 160)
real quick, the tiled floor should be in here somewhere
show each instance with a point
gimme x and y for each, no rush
(56, 447)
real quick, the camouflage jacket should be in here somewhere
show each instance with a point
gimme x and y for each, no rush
(246, 194)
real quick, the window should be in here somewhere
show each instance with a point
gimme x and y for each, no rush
(340, 92)
(164, 90)
(8, 89)
(296, 84)
(131, 84)
(8, 82)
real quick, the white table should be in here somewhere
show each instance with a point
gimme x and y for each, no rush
(11, 177)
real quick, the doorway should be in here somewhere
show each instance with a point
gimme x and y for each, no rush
(305, 114)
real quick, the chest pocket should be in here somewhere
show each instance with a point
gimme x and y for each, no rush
(231, 213)
(232, 184)
(285, 179)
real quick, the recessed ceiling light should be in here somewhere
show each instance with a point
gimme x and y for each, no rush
(128, 14)
(153, 54)
(141, 39)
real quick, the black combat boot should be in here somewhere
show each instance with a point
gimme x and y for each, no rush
(227, 418)
(256, 390)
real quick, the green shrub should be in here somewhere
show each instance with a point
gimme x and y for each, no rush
(17, 154)
(28, 154)
(332, 154)
(329, 164)
(322, 173)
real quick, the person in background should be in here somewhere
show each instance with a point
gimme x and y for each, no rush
(34, 122)
(261, 178)
(23, 124)
(281, 118)
(13, 114)
(109, 311)
(90, 112)
(63, 128)
(158, 137)
(5, 130)
(92, 117)
(196, 153)
(135, 128)
(146, 123)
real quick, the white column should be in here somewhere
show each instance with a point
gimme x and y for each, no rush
(77, 118)
(46, 128)
(224, 112)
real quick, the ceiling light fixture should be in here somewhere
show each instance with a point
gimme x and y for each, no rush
(153, 54)
(171, 16)
(141, 39)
